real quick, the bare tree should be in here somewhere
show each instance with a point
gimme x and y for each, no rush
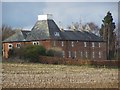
(6, 32)
(93, 27)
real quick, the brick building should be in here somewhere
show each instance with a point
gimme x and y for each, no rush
(74, 43)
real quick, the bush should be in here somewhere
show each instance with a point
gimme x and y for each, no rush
(31, 52)
(54, 52)
(11, 53)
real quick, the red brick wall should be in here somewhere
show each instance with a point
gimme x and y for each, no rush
(78, 48)
(5, 50)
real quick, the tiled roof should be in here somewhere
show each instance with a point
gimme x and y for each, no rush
(44, 29)
(47, 29)
(39, 31)
(18, 36)
(78, 35)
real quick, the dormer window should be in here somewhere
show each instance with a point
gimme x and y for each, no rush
(56, 34)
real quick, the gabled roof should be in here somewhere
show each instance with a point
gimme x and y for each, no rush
(18, 36)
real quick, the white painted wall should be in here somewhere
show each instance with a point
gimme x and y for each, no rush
(45, 17)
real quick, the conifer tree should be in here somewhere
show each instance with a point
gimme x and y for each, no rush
(108, 34)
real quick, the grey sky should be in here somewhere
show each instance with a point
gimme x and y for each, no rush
(24, 15)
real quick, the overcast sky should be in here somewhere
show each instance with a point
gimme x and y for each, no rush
(24, 14)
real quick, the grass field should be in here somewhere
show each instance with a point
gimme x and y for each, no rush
(57, 76)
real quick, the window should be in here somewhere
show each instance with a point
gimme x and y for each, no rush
(93, 44)
(18, 45)
(86, 54)
(81, 54)
(75, 54)
(35, 43)
(54, 43)
(93, 54)
(63, 53)
(62, 43)
(69, 54)
(99, 54)
(85, 44)
(10, 46)
(72, 43)
(56, 34)
(99, 44)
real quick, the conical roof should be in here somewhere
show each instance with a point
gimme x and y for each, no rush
(44, 29)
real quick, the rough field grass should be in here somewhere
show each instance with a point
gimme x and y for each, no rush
(57, 76)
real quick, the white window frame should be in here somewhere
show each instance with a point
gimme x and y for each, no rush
(72, 44)
(85, 44)
(56, 34)
(75, 54)
(86, 54)
(100, 54)
(99, 45)
(36, 43)
(18, 44)
(93, 54)
(63, 53)
(93, 44)
(54, 43)
(81, 53)
(62, 43)
(11, 46)
(69, 52)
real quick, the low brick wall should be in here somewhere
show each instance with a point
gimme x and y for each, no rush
(68, 61)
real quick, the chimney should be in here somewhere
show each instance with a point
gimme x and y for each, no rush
(45, 17)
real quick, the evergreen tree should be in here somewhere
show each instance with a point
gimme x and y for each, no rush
(108, 34)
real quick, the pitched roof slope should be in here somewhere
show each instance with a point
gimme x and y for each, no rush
(44, 29)
(39, 31)
(80, 35)
(18, 36)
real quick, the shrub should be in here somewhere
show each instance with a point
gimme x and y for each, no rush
(54, 52)
(31, 52)
(11, 53)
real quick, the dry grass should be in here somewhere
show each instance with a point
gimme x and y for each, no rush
(57, 76)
